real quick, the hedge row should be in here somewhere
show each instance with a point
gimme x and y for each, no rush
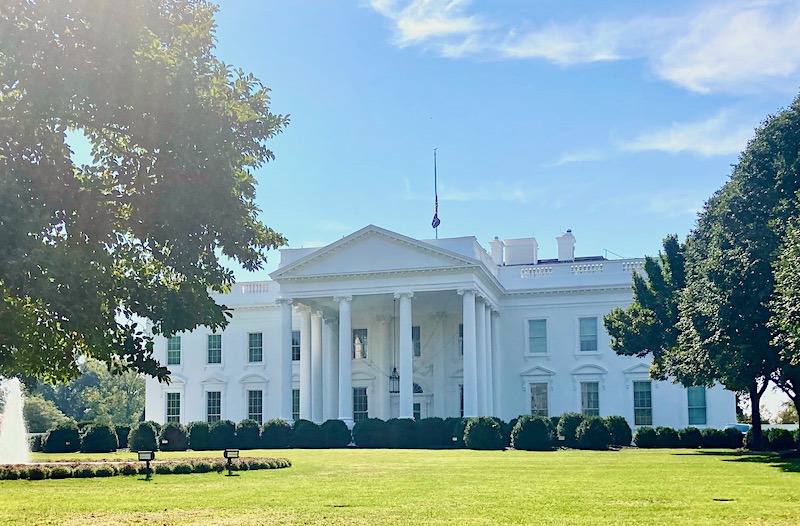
(776, 439)
(176, 467)
(690, 437)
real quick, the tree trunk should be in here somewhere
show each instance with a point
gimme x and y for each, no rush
(755, 418)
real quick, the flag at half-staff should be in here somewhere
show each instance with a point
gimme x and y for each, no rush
(436, 221)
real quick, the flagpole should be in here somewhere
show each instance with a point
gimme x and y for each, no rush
(436, 194)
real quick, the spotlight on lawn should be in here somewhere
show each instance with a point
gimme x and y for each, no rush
(231, 454)
(147, 457)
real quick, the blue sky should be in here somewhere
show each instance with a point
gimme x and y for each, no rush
(617, 120)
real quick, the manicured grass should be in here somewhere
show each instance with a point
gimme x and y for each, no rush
(431, 487)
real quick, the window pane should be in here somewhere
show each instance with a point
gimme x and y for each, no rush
(590, 398)
(174, 350)
(255, 350)
(415, 340)
(697, 405)
(360, 407)
(461, 343)
(642, 403)
(539, 399)
(214, 348)
(417, 410)
(295, 346)
(213, 406)
(588, 334)
(296, 404)
(173, 407)
(359, 343)
(537, 336)
(461, 399)
(255, 405)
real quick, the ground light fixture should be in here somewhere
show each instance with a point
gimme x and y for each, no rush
(147, 457)
(231, 454)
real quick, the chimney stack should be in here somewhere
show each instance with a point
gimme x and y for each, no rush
(566, 246)
(497, 251)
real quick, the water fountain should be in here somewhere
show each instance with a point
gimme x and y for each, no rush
(14, 447)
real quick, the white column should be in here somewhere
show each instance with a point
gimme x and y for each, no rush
(496, 363)
(285, 360)
(330, 371)
(406, 350)
(345, 361)
(488, 370)
(305, 363)
(480, 335)
(316, 367)
(470, 358)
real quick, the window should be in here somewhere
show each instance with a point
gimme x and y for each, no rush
(214, 348)
(588, 334)
(255, 348)
(174, 350)
(360, 409)
(255, 405)
(295, 346)
(295, 404)
(461, 340)
(173, 407)
(416, 341)
(697, 406)
(461, 400)
(213, 406)
(359, 343)
(590, 398)
(642, 404)
(417, 410)
(539, 399)
(537, 336)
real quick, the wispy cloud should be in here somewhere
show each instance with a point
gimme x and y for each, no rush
(581, 156)
(419, 21)
(721, 134)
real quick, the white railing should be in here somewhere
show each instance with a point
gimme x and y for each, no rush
(589, 268)
(255, 288)
(627, 266)
(535, 272)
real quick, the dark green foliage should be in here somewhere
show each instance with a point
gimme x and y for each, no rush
(122, 436)
(83, 471)
(128, 469)
(248, 434)
(533, 433)
(483, 433)
(690, 437)
(38, 473)
(202, 466)
(35, 443)
(593, 433)
(99, 438)
(183, 468)
(173, 437)
(143, 436)
(645, 437)
(199, 436)
(734, 437)
(621, 434)
(335, 434)
(163, 469)
(433, 432)
(307, 434)
(714, 438)
(222, 434)
(667, 437)
(506, 429)
(61, 472)
(64, 438)
(372, 433)
(402, 433)
(780, 439)
(567, 426)
(555, 420)
(456, 426)
(104, 471)
(276, 434)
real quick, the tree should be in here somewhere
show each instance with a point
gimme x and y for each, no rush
(89, 248)
(41, 415)
(787, 414)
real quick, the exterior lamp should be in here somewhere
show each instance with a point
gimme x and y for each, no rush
(394, 381)
(147, 457)
(230, 454)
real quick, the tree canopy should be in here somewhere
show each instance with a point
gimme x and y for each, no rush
(141, 230)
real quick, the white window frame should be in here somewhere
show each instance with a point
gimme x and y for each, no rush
(208, 350)
(546, 321)
(642, 408)
(249, 347)
(293, 346)
(179, 350)
(588, 382)
(537, 375)
(364, 345)
(366, 396)
(416, 344)
(180, 405)
(208, 415)
(256, 390)
(546, 385)
(704, 407)
(578, 351)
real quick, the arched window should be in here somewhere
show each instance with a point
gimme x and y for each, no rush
(417, 389)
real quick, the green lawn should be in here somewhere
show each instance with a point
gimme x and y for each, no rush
(432, 487)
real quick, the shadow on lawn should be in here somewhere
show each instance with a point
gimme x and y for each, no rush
(789, 465)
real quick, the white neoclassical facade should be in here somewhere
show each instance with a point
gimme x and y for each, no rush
(381, 325)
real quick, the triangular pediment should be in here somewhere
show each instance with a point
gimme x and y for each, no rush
(538, 370)
(373, 250)
(641, 368)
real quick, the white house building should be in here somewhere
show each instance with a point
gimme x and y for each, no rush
(381, 325)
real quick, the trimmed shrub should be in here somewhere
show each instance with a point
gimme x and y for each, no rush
(63, 438)
(593, 433)
(372, 432)
(690, 437)
(555, 420)
(402, 433)
(621, 434)
(199, 436)
(38, 472)
(780, 439)
(163, 469)
(335, 434)
(183, 468)
(734, 438)
(173, 437)
(667, 437)
(128, 469)
(456, 426)
(104, 471)
(483, 433)
(143, 436)
(533, 433)
(306, 435)
(99, 438)
(35, 443)
(222, 434)
(61, 472)
(433, 432)
(122, 436)
(645, 437)
(567, 425)
(202, 467)
(276, 434)
(83, 471)
(248, 434)
(713, 438)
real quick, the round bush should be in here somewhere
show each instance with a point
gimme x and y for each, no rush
(402, 433)
(38, 472)
(222, 434)
(533, 433)
(780, 439)
(433, 432)
(667, 437)
(143, 436)
(104, 471)
(35, 443)
(483, 433)
(567, 426)
(99, 438)
(733, 438)
(248, 434)
(276, 434)
(713, 438)
(691, 438)
(61, 472)
(163, 469)
(621, 434)
(173, 437)
(83, 471)
(371, 432)
(63, 438)
(202, 467)
(306, 435)
(645, 437)
(182, 468)
(122, 436)
(593, 433)
(128, 469)
(199, 436)
(335, 434)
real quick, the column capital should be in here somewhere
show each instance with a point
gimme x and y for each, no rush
(407, 294)
(305, 309)
(338, 299)
(281, 300)
(316, 313)
(461, 292)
